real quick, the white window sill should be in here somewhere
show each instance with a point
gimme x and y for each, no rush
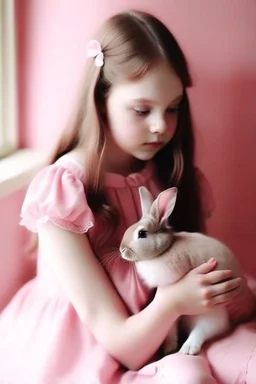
(17, 170)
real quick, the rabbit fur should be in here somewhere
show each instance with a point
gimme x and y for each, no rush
(162, 257)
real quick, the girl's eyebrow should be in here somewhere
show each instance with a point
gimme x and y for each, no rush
(177, 99)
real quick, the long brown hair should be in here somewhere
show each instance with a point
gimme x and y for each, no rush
(132, 42)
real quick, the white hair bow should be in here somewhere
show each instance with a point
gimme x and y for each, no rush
(94, 50)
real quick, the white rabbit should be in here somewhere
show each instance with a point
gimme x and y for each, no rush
(162, 257)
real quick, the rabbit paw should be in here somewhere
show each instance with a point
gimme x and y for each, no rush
(190, 347)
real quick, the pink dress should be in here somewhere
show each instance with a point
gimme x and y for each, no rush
(42, 340)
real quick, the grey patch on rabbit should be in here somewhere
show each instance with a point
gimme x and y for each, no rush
(162, 257)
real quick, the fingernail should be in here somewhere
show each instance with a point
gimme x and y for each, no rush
(211, 260)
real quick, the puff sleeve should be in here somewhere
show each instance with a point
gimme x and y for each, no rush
(57, 195)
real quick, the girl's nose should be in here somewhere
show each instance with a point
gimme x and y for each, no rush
(158, 125)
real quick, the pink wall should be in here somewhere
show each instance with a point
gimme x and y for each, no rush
(218, 39)
(16, 267)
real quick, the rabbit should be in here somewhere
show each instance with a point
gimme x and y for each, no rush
(162, 257)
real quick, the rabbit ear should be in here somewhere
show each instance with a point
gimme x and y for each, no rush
(164, 204)
(146, 200)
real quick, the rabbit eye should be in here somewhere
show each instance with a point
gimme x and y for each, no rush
(142, 234)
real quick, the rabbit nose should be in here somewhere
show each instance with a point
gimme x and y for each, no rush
(125, 253)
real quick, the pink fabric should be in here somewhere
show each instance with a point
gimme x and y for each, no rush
(60, 198)
(42, 338)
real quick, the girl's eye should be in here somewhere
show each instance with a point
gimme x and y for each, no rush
(142, 112)
(172, 110)
(142, 234)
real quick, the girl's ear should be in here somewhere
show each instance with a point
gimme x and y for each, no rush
(146, 200)
(164, 204)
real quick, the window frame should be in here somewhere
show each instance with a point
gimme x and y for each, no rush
(8, 83)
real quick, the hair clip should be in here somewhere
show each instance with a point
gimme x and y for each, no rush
(94, 50)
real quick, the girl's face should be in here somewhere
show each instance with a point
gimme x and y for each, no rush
(142, 114)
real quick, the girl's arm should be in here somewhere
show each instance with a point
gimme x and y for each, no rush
(131, 340)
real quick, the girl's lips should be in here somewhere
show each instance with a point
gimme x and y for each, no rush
(154, 145)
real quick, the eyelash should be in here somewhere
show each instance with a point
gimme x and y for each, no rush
(145, 112)
(173, 110)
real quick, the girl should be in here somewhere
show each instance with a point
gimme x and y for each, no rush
(86, 317)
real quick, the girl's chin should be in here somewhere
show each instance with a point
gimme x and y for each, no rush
(146, 155)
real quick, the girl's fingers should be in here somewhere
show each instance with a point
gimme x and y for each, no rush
(222, 288)
(226, 292)
(205, 267)
(215, 277)
(225, 298)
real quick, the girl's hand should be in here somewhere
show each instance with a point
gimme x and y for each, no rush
(201, 289)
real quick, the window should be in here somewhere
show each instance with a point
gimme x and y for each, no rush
(8, 106)
(17, 166)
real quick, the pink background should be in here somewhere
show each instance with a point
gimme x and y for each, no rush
(219, 41)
